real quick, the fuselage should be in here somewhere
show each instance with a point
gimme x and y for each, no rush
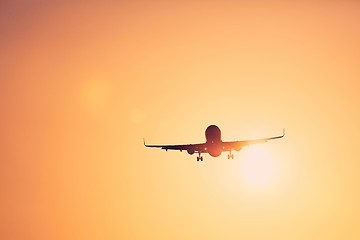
(214, 145)
(213, 140)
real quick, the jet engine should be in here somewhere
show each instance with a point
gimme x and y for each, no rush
(191, 151)
(238, 148)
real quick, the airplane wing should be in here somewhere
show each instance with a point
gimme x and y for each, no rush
(237, 145)
(191, 148)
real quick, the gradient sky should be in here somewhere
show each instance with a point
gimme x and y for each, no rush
(82, 84)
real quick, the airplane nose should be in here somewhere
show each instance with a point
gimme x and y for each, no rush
(213, 134)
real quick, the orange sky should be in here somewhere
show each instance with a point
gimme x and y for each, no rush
(82, 84)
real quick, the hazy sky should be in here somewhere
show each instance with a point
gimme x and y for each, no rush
(82, 83)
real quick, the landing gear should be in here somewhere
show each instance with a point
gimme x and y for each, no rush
(199, 158)
(230, 156)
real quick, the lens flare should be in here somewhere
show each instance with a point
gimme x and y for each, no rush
(94, 96)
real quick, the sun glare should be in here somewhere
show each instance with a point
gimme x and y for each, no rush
(258, 167)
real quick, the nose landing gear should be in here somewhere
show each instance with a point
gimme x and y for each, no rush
(230, 155)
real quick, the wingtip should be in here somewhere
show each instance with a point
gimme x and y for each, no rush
(144, 142)
(283, 131)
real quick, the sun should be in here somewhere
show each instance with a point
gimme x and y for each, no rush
(258, 167)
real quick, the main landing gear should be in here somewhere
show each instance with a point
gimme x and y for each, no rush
(199, 158)
(230, 155)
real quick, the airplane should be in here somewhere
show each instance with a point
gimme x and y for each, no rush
(213, 145)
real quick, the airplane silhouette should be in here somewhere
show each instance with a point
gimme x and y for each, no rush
(214, 145)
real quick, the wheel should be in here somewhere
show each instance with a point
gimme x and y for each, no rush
(201, 158)
(197, 159)
(232, 156)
